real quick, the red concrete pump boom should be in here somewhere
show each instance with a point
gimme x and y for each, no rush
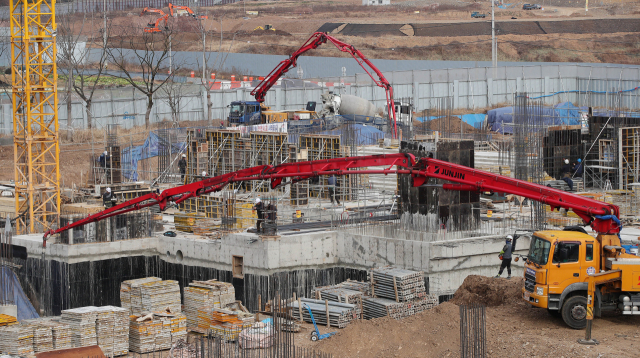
(313, 42)
(602, 217)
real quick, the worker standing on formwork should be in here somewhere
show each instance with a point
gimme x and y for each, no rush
(259, 208)
(578, 170)
(108, 198)
(332, 189)
(105, 163)
(505, 256)
(182, 165)
(566, 174)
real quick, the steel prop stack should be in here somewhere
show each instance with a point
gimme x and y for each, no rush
(340, 314)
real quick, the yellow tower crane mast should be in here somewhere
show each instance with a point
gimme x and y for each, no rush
(35, 114)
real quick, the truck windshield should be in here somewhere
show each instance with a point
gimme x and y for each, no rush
(236, 108)
(539, 250)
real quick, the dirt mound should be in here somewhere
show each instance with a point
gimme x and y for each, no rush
(438, 329)
(488, 291)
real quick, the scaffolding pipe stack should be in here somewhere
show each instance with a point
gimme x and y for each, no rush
(340, 314)
(339, 294)
(397, 284)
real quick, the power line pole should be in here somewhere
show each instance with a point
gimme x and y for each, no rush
(494, 44)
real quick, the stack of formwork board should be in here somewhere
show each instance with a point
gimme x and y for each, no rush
(374, 307)
(201, 297)
(150, 295)
(42, 335)
(112, 330)
(16, 340)
(82, 322)
(156, 332)
(228, 324)
(186, 222)
(60, 333)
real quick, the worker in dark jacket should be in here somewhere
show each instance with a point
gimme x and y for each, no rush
(566, 174)
(332, 189)
(578, 170)
(259, 208)
(107, 198)
(182, 165)
(506, 257)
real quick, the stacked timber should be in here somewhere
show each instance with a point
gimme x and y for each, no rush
(397, 284)
(112, 330)
(16, 340)
(42, 335)
(339, 314)
(60, 333)
(186, 221)
(150, 295)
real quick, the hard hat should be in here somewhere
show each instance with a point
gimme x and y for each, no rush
(257, 200)
(579, 160)
(509, 237)
(566, 161)
(184, 155)
(204, 173)
(105, 152)
(108, 190)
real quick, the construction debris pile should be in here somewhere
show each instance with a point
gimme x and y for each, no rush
(150, 294)
(156, 331)
(390, 292)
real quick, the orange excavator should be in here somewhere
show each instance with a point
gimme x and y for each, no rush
(176, 10)
(154, 26)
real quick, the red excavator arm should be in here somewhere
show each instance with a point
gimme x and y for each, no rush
(153, 27)
(149, 10)
(601, 216)
(313, 42)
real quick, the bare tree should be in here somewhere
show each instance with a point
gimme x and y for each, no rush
(174, 92)
(75, 58)
(141, 57)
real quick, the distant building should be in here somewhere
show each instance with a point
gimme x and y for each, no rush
(376, 2)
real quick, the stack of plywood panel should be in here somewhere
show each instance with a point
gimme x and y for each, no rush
(16, 340)
(201, 297)
(112, 330)
(60, 333)
(42, 335)
(150, 295)
(82, 322)
(126, 287)
(157, 332)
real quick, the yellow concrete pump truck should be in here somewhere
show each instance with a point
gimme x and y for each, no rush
(576, 276)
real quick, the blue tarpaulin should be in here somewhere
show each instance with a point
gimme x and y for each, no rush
(25, 308)
(474, 120)
(131, 155)
(364, 135)
(501, 119)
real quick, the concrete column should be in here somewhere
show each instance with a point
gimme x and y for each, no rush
(519, 84)
(70, 236)
(456, 93)
(279, 102)
(490, 100)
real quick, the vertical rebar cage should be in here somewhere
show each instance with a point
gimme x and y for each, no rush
(473, 336)
(35, 115)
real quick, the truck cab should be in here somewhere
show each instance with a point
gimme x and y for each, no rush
(557, 271)
(245, 113)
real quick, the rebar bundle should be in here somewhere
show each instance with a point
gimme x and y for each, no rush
(472, 331)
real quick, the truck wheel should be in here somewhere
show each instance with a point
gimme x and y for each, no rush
(574, 312)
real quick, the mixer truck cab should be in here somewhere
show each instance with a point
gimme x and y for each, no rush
(557, 270)
(247, 113)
